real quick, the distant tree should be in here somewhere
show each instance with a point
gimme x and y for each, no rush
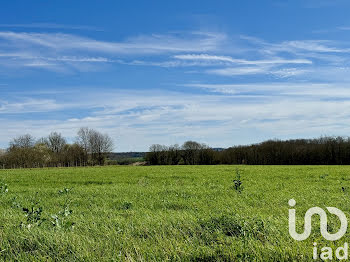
(83, 139)
(56, 142)
(2, 158)
(158, 155)
(207, 156)
(23, 141)
(95, 145)
(191, 152)
(42, 155)
(2, 152)
(20, 152)
(73, 155)
(100, 145)
(174, 155)
(92, 147)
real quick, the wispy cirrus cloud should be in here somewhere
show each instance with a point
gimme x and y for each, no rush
(302, 48)
(62, 52)
(51, 26)
(292, 93)
(56, 51)
(311, 90)
(143, 44)
(206, 57)
(29, 105)
(235, 71)
(137, 119)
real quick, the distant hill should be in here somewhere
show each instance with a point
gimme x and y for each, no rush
(126, 155)
(218, 149)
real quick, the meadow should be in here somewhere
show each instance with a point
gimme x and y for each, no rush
(160, 213)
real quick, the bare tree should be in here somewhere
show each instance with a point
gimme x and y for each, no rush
(95, 144)
(24, 152)
(99, 145)
(83, 140)
(56, 142)
(24, 141)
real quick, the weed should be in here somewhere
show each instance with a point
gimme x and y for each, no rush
(15, 203)
(126, 205)
(324, 176)
(33, 215)
(237, 183)
(3, 187)
(60, 221)
(64, 191)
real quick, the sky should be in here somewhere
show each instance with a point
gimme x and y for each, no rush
(222, 72)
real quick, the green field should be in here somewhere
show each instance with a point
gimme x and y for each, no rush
(176, 213)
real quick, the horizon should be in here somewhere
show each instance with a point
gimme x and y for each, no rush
(223, 74)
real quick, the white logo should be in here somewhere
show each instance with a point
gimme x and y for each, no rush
(323, 222)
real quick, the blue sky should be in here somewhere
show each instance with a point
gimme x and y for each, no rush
(219, 72)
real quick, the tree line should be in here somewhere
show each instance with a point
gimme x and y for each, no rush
(319, 151)
(90, 148)
(190, 153)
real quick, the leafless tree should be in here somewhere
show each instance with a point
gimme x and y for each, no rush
(99, 145)
(95, 144)
(24, 141)
(83, 140)
(56, 142)
(53, 150)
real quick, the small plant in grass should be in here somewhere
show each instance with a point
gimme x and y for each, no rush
(237, 183)
(15, 203)
(60, 220)
(64, 191)
(127, 205)
(323, 176)
(3, 188)
(33, 215)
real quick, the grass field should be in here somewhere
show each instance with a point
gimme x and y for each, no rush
(177, 213)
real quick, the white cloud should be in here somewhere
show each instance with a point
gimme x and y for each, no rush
(235, 71)
(289, 72)
(311, 46)
(195, 41)
(315, 91)
(206, 57)
(309, 99)
(51, 26)
(60, 52)
(137, 119)
(29, 105)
